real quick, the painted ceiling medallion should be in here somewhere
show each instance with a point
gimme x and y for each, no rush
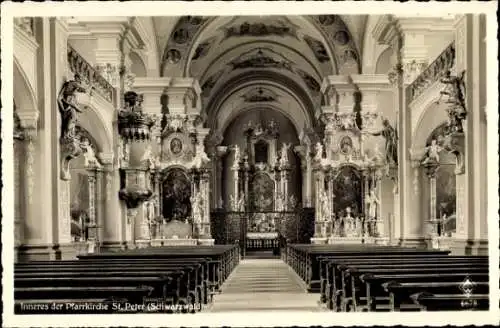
(326, 19)
(260, 95)
(259, 59)
(318, 48)
(341, 37)
(260, 29)
(173, 56)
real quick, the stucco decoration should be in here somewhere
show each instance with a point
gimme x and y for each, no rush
(179, 43)
(318, 49)
(341, 41)
(262, 58)
(203, 48)
(279, 28)
(260, 95)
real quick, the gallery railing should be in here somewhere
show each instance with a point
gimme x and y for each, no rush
(89, 75)
(432, 73)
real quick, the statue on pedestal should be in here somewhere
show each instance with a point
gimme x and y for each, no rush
(432, 152)
(319, 152)
(372, 203)
(391, 144)
(197, 207)
(284, 154)
(349, 225)
(68, 106)
(237, 156)
(325, 206)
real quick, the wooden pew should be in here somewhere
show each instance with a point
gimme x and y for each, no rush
(353, 292)
(131, 267)
(400, 292)
(333, 279)
(451, 302)
(305, 261)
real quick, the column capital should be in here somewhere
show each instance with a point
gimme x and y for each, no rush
(339, 91)
(29, 122)
(106, 158)
(184, 96)
(370, 86)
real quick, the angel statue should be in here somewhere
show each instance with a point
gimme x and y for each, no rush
(319, 152)
(391, 141)
(68, 106)
(200, 158)
(284, 153)
(148, 158)
(90, 158)
(432, 152)
(241, 203)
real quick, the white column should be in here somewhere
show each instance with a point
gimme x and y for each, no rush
(472, 181)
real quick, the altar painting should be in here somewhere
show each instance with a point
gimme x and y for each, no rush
(262, 193)
(347, 192)
(176, 193)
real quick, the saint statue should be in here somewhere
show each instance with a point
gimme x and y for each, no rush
(284, 153)
(325, 206)
(90, 158)
(432, 152)
(241, 203)
(196, 203)
(237, 156)
(391, 145)
(319, 152)
(348, 222)
(455, 90)
(372, 202)
(68, 106)
(147, 157)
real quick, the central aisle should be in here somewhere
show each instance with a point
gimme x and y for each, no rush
(264, 284)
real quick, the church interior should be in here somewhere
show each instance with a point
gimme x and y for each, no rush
(238, 154)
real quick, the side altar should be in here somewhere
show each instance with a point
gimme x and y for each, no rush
(348, 166)
(166, 171)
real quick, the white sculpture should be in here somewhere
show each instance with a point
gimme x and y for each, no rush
(372, 203)
(358, 226)
(325, 206)
(89, 154)
(432, 152)
(148, 157)
(197, 208)
(348, 223)
(241, 203)
(237, 156)
(200, 157)
(319, 152)
(284, 153)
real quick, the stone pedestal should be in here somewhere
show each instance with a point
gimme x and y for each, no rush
(345, 240)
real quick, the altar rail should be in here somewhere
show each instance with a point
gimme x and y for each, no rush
(230, 227)
(432, 73)
(78, 65)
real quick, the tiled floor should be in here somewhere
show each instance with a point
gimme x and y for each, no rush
(264, 284)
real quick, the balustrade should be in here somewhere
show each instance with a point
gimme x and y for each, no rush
(432, 73)
(89, 75)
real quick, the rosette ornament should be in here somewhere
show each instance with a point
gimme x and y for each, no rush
(133, 124)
